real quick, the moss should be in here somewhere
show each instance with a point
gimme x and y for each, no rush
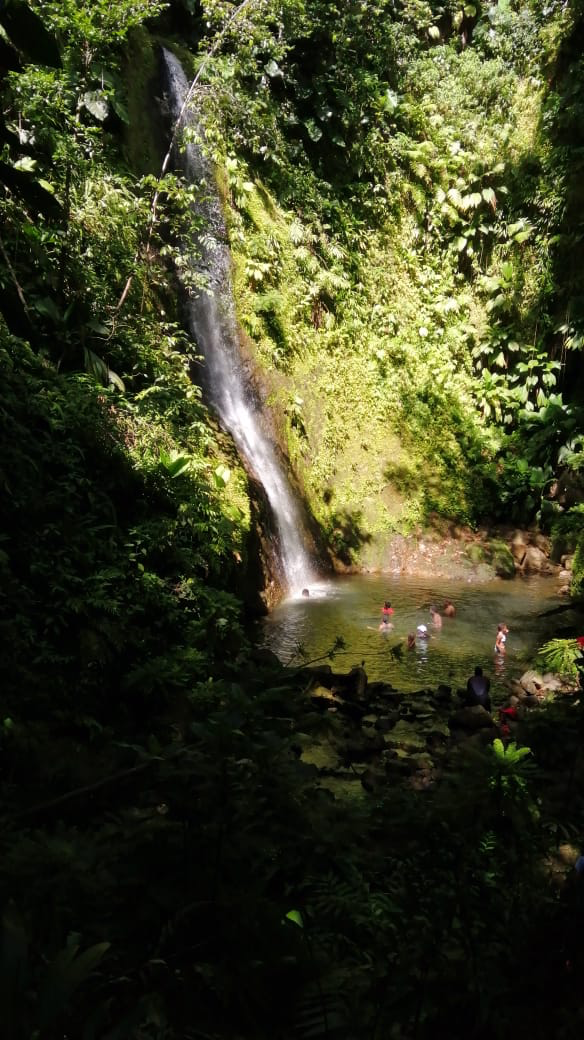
(476, 554)
(144, 137)
(502, 560)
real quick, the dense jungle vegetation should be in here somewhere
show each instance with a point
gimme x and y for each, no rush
(403, 190)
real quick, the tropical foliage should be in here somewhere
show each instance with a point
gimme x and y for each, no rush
(402, 183)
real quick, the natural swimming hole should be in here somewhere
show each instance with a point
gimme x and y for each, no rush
(350, 608)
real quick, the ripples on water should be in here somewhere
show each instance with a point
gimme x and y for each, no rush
(351, 608)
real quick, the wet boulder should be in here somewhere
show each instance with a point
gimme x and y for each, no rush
(502, 560)
(384, 691)
(535, 561)
(386, 722)
(443, 694)
(352, 685)
(322, 673)
(532, 682)
(471, 719)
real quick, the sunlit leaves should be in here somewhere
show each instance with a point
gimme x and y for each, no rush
(96, 103)
(563, 656)
(174, 464)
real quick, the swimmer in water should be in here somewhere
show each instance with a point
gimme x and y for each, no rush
(305, 592)
(411, 640)
(387, 609)
(449, 610)
(436, 619)
(501, 640)
(385, 626)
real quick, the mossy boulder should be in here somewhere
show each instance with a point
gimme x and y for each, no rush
(502, 560)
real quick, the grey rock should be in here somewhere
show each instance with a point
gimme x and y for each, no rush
(532, 682)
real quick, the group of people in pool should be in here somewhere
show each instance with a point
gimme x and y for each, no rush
(386, 625)
(422, 633)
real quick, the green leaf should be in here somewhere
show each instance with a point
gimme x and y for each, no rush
(296, 917)
(455, 197)
(27, 164)
(120, 109)
(314, 131)
(389, 101)
(96, 102)
(272, 69)
(222, 476)
(48, 308)
(96, 366)
(115, 380)
(64, 976)
(174, 464)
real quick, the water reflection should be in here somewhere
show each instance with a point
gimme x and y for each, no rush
(351, 608)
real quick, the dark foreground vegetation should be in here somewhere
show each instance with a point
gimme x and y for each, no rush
(170, 868)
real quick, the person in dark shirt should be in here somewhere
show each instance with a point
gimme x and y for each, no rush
(477, 689)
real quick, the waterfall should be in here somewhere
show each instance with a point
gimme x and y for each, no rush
(213, 324)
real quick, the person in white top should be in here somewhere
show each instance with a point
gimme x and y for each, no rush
(501, 640)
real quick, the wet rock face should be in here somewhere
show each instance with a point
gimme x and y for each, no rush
(462, 553)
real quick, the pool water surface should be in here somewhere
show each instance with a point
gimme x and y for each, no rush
(350, 608)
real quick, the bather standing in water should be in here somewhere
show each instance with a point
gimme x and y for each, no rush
(501, 640)
(449, 610)
(436, 619)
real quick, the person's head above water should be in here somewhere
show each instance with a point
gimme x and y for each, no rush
(305, 592)
(422, 630)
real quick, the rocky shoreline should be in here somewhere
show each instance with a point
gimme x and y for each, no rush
(451, 551)
(376, 735)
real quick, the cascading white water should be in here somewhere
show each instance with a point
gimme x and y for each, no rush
(214, 327)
